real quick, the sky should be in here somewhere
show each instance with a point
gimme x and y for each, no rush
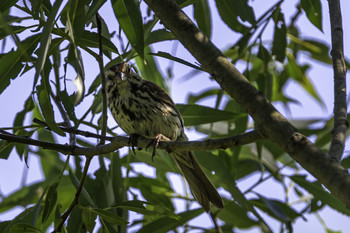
(322, 77)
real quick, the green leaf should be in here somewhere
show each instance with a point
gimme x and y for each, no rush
(316, 189)
(197, 114)
(68, 103)
(193, 98)
(130, 20)
(167, 224)
(75, 59)
(6, 4)
(275, 209)
(46, 39)
(5, 149)
(9, 68)
(159, 36)
(298, 74)
(25, 196)
(50, 201)
(313, 10)
(154, 191)
(203, 17)
(236, 215)
(280, 37)
(10, 30)
(11, 63)
(84, 193)
(230, 11)
(149, 69)
(317, 49)
(46, 108)
(23, 228)
(89, 219)
(90, 39)
(110, 217)
(149, 209)
(93, 9)
(224, 177)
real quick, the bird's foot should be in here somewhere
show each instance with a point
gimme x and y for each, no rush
(133, 142)
(155, 143)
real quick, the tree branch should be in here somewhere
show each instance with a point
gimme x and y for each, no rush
(273, 124)
(119, 142)
(339, 69)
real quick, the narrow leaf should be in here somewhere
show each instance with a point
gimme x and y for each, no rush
(280, 37)
(167, 224)
(50, 201)
(23, 228)
(203, 17)
(89, 219)
(130, 20)
(228, 13)
(45, 40)
(47, 109)
(315, 188)
(110, 217)
(197, 114)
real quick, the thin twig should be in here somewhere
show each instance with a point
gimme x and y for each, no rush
(119, 142)
(76, 131)
(340, 121)
(76, 197)
(103, 80)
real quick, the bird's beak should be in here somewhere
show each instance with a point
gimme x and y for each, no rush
(121, 75)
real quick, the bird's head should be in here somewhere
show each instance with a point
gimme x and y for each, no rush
(120, 73)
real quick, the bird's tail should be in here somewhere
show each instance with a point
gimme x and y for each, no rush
(200, 185)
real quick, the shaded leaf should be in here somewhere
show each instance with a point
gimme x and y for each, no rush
(89, 219)
(236, 215)
(145, 208)
(84, 193)
(193, 98)
(47, 109)
(23, 228)
(11, 63)
(45, 40)
(197, 114)
(316, 189)
(50, 201)
(280, 37)
(5, 149)
(149, 69)
(68, 103)
(230, 11)
(166, 224)
(159, 36)
(298, 74)
(110, 217)
(6, 4)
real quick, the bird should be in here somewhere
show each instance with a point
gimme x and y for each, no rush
(142, 108)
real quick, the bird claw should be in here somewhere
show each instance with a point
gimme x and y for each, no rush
(133, 142)
(155, 143)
